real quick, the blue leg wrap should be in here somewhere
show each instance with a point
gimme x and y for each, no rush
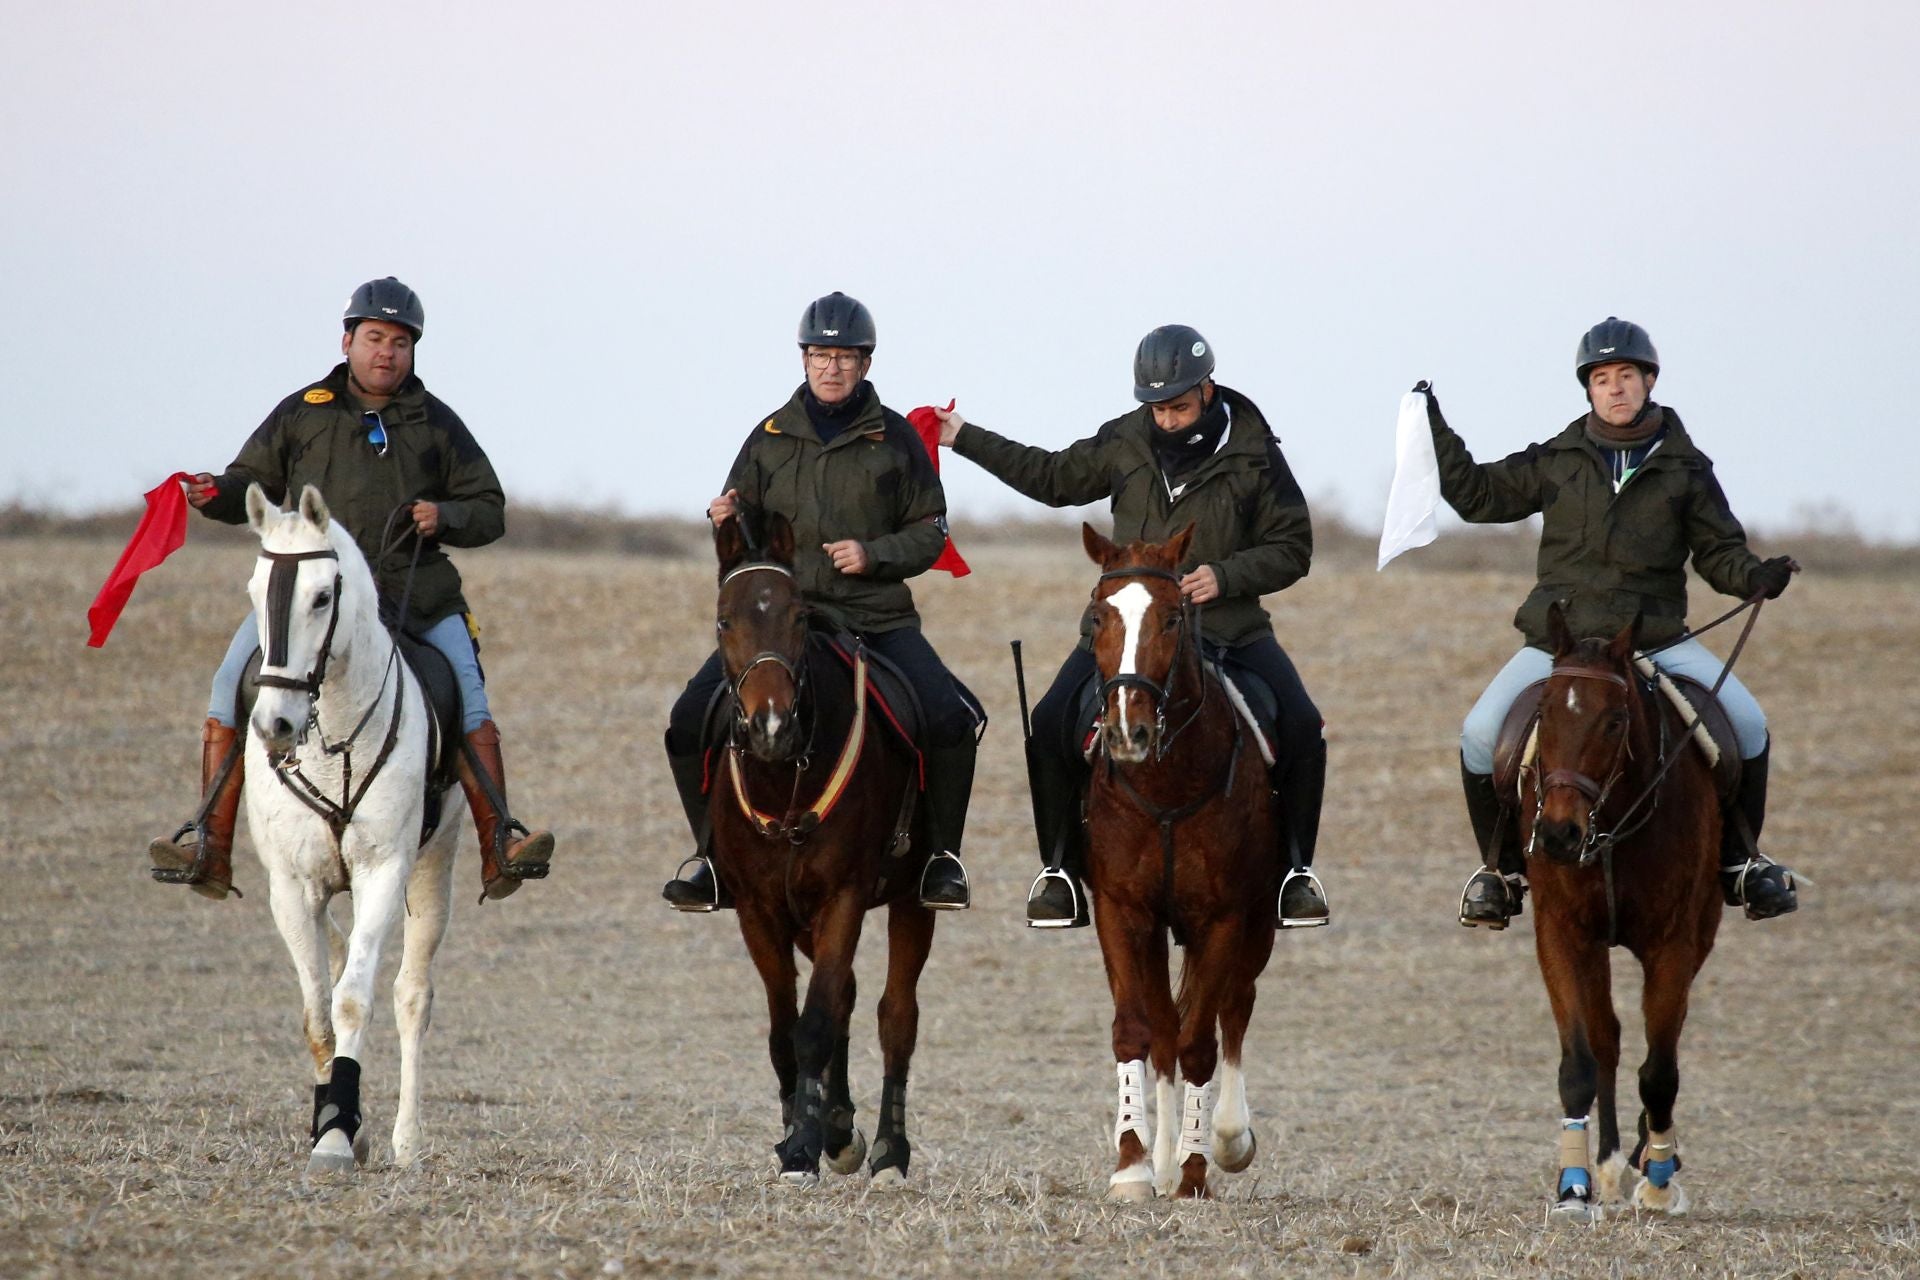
(1660, 1172)
(1575, 1182)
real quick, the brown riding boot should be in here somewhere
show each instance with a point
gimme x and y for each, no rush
(509, 853)
(205, 861)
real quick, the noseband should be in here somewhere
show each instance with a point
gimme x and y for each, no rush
(279, 619)
(1161, 691)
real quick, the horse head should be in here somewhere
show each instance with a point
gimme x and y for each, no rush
(760, 620)
(1144, 639)
(1588, 715)
(308, 575)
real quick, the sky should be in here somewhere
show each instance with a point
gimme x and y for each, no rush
(615, 214)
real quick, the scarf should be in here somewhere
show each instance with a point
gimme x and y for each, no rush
(1648, 423)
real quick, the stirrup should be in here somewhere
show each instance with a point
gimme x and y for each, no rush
(696, 861)
(534, 862)
(966, 884)
(1304, 922)
(1733, 884)
(1514, 887)
(193, 871)
(1074, 921)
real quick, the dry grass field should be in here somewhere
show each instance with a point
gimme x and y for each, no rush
(598, 1100)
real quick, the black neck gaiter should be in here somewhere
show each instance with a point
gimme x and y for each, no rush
(1178, 452)
(829, 420)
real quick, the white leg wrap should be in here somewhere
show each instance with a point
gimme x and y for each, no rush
(1196, 1122)
(1131, 1117)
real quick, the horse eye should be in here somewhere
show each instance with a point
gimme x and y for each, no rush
(322, 600)
(1172, 622)
(724, 624)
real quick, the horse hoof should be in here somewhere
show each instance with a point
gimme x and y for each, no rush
(333, 1154)
(1132, 1185)
(1614, 1178)
(1574, 1212)
(1228, 1156)
(848, 1158)
(1671, 1199)
(888, 1179)
(804, 1179)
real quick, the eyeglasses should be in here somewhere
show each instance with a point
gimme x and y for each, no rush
(376, 432)
(838, 359)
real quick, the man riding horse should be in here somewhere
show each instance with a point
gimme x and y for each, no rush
(868, 513)
(1193, 452)
(1626, 499)
(374, 441)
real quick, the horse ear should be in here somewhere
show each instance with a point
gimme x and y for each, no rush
(313, 508)
(779, 531)
(258, 509)
(1557, 632)
(1100, 549)
(729, 543)
(1178, 545)
(1626, 642)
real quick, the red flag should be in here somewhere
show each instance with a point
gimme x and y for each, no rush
(928, 427)
(162, 531)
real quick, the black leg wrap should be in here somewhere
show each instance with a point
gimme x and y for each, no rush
(341, 1106)
(890, 1147)
(839, 1108)
(800, 1151)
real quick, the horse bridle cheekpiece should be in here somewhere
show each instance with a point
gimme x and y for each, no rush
(279, 620)
(1161, 691)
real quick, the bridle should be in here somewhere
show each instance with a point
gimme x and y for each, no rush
(796, 672)
(1159, 691)
(1596, 793)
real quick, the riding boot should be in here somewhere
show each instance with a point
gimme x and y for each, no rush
(1748, 878)
(205, 862)
(1057, 899)
(509, 853)
(1495, 893)
(1299, 785)
(701, 890)
(943, 885)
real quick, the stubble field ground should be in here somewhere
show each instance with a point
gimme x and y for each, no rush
(598, 1100)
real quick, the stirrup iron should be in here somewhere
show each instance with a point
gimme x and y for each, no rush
(1073, 891)
(1303, 922)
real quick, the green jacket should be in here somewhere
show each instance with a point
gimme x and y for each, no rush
(1607, 556)
(873, 483)
(315, 437)
(1250, 521)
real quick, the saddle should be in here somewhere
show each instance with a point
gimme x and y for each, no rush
(1514, 747)
(442, 691)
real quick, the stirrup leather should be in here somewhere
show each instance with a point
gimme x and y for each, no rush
(1073, 891)
(1303, 922)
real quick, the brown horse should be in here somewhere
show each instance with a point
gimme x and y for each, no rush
(1622, 828)
(809, 802)
(1181, 837)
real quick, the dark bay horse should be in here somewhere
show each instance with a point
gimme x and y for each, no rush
(1181, 838)
(809, 800)
(1622, 827)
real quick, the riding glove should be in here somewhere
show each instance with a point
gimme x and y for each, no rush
(1770, 577)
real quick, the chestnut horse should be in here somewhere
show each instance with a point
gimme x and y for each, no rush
(1181, 836)
(808, 801)
(1622, 829)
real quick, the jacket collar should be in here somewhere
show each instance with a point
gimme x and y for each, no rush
(408, 402)
(791, 419)
(1676, 449)
(1247, 435)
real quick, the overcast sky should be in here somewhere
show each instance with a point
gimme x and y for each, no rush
(615, 214)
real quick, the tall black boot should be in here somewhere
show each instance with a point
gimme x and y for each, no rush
(1057, 899)
(1748, 878)
(699, 890)
(1495, 893)
(1299, 785)
(943, 885)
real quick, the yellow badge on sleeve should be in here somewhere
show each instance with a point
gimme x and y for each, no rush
(770, 429)
(319, 395)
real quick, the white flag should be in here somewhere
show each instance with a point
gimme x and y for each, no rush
(1415, 496)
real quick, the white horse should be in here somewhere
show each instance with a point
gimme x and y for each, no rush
(337, 759)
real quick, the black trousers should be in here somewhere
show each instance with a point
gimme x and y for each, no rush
(949, 721)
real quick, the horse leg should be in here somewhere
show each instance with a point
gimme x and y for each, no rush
(429, 901)
(770, 945)
(300, 912)
(1207, 968)
(1575, 969)
(1163, 1017)
(845, 1146)
(378, 893)
(1603, 1038)
(822, 1025)
(909, 942)
(1234, 1142)
(1670, 972)
(1125, 945)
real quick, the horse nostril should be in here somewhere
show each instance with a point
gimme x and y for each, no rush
(1139, 735)
(281, 728)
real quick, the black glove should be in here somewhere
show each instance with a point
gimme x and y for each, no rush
(1434, 417)
(1770, 577)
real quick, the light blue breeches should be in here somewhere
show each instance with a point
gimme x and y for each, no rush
(1688, 658)
(449, 636)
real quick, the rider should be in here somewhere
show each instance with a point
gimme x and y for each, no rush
(868, 513)
(1193, 452)
(378, 445)
(1626, 498)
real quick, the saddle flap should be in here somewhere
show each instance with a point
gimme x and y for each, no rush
(442, 691)
(1509, 749)
(1718, 727)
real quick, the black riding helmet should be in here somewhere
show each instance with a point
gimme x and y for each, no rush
(386, 299)
(1171, 361)
(1615, 339)
(837, 321)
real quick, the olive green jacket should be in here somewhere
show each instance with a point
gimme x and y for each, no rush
(1250, 521)
(873, 483)
(1606, 556)
(316, 437)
